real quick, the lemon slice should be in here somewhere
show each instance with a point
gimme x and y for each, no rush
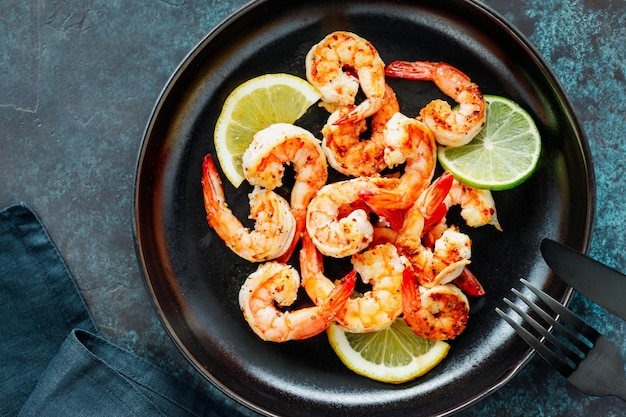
(253, 106)
(503, 155)
(393, 355)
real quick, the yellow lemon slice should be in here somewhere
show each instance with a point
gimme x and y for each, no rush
(393, 355)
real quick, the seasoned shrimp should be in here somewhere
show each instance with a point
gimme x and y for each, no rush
(334, 232)
(438, 313)
(381, 267)
(411, 142)
(276, 146)
(274, 227)
(452, 250)
(451, 127)
(347, 151)
(477, 206)
(277, 283)
(330, 66)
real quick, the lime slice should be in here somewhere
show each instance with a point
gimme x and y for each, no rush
(253, 106)
(393, 355)
(503, 155)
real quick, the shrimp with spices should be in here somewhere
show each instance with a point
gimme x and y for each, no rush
(452, 250)
(263, 165)
(277, 283)
(380, 266)
(331, 65)
(451, 127)
(407, 141)
(438, 313)
(334, 231)
(477, 206)
(352, 155)
(274, 227)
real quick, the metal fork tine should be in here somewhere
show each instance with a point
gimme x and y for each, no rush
(572, 355)
(552, 358)
(589, 332)
(571, 336)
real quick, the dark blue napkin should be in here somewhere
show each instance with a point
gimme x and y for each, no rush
(51, 361)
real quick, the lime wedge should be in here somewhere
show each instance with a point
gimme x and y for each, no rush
(503, 155)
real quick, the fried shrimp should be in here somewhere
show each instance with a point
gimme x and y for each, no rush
(451, 127)
(347, 151)
(277, 283)
(274, 227)
(381, 267)
(282, 144)
(338, 65)
(438, 313)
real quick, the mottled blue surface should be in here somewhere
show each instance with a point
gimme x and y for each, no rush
(78, 82)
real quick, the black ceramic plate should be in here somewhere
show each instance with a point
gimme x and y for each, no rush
(194, 280)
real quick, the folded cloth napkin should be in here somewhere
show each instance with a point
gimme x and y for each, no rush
(51, 361)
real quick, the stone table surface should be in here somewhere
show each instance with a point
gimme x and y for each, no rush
(79, 80)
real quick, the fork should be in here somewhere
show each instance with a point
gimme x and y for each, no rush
(594, 365)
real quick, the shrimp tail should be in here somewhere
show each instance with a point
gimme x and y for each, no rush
(335, 301)
(469, 284)
(367, 108)
(212, 188)
(411, 302)
(420, 70)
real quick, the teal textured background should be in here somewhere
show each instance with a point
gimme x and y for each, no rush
(78, 83)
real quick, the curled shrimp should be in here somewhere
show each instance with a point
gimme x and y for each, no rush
(477, 206)
(347, 151)
(334, 232)
(282, 144)
(438, 313)
(380, 266)
(331, 65)
(451, 127)
(277, 283)
(407, 141)
(274, 226)
(452, 249)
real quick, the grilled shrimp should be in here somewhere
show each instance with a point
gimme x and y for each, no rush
(452, 250)
(380, 266)
(451, 127)
(278, 145)
(411, 142)
(438, 313)
(347, 151)
(333, 233)
(477, 206)
(277, 283)
(338, 65)
(274, 227)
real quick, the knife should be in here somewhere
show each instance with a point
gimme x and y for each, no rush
(598, 282)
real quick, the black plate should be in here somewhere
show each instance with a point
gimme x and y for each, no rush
(194, 280)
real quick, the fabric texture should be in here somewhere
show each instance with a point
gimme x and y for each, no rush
(52, 362)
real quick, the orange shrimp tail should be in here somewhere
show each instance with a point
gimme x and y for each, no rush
(436, 193)
(411, 301)
(434, 208)
(212, 188)
(339, 295)
(418, 70)
(469, 283)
